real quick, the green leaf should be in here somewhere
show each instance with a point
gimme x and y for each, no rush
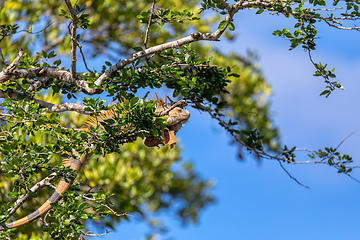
(57, 62)
(10, 174)
(82, 205)
(12, 194)
(231, 26)
(223, 24)
(32, 194)
(134, 101)
(3, 87)
(260, 11)
(324, 92)
(39, 122)
(176, 92)
(297, 25)
(137, 48)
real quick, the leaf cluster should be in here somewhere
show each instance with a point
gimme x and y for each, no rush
(162, 17)
(333, 157)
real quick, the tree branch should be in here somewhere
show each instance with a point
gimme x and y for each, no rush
(173, 44)
(34, 189)
(15, 95)
(48, 72)
(67, 77)
(146, 38)
(73, 38)
(291, 175)
(11, 68)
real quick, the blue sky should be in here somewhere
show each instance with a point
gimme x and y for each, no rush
(259, 201)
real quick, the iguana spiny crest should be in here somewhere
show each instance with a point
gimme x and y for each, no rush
(175, 117)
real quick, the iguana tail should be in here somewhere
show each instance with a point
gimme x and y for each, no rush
(56, 196)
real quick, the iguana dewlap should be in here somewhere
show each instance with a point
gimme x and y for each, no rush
(168, 137)
(175, 117)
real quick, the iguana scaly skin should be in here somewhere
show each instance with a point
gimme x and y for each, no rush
(175, 117)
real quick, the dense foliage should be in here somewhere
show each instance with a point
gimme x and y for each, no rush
(49, 60)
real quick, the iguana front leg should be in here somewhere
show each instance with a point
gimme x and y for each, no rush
(168, 138)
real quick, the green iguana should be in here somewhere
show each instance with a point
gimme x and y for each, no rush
(175, 117)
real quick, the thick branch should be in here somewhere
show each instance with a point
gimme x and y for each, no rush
(242, 5)
(47, 72)
(63, 107)
(15, 95)
(173, 44)
(67, 77)
(37, 84)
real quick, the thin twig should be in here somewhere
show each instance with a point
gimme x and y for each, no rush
(356, 180)
(346, 139)
(152, 11)
(73, 37)
(89, 233)
(3, 59)
(104, 205)
(37, 32)
(83, 57)
(291, 175)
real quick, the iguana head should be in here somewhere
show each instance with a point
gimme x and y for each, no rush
(175, 116)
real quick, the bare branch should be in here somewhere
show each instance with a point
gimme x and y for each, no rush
(73, 37)
(47, 72)
(50, 106)
(13, 65)
(37, 84)
(106, 206)
(67, 77)
(356, 180)
(326, 9)
(291, 175)
(333, 21)
(37, 32)
(242, 5)
(146, 38)
(346, 139)
(3, 59)
(63, 107)
(83, 56)
(89, 233)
